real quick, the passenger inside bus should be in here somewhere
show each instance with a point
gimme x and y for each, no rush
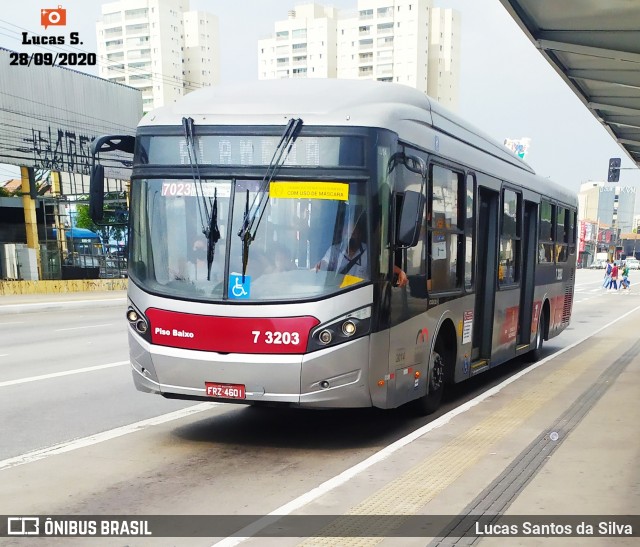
(402, 279)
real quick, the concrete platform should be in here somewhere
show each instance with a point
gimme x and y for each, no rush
(555, 454)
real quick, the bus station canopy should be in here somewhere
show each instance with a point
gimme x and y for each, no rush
(595, 47)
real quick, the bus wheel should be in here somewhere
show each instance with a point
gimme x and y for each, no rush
(536, 352)
(430, 402)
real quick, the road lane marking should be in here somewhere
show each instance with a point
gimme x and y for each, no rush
(323, 488)
(85, 327)
(63, 373)
(331, 484)
(69, 446)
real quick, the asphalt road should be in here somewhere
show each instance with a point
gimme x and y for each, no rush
(78, 438)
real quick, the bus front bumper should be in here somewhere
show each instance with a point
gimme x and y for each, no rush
(333, 378)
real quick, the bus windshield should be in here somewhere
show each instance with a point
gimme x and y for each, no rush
(311, 240)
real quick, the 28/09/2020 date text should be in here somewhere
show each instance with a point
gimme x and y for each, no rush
(50, 59)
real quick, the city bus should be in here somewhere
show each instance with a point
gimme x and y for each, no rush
(247, 283)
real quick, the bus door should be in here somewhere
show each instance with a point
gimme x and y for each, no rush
(530, 230)
(487, 249)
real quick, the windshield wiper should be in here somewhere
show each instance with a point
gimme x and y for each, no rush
(248, 233)
(213, 234)
(210, 225)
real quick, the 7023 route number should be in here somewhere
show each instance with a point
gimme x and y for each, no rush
(276, 337)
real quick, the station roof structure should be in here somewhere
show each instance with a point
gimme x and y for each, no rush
(595, 47)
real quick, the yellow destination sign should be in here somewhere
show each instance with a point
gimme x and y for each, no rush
(309, 190)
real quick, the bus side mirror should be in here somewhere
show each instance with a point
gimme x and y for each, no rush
(410, 219)
(96, 193)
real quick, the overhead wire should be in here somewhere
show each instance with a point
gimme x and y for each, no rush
(151, 77)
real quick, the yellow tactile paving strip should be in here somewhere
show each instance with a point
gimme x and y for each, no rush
(411, 491)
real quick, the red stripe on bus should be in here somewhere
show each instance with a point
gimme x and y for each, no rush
(230, 334)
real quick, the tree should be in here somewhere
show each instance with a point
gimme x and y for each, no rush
(112, 230)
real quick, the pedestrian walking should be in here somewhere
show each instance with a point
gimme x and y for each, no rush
(625, 284)
(613, 285)
(607, 275)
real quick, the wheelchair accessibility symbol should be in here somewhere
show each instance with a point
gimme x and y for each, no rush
(238, 289)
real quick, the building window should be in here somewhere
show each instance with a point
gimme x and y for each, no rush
(110, 18)
(134, 13)
(134, 29)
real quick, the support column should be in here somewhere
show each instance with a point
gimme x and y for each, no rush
(58, 224)
(30, 219)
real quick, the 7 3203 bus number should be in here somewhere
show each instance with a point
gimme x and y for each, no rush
(276, 337)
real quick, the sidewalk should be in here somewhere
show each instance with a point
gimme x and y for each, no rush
(558, 447)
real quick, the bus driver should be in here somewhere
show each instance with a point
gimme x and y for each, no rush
(348, 257)
(351, 257)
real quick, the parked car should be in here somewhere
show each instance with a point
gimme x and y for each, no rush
(633, 263)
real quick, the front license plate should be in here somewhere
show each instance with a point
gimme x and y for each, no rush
(225, 391)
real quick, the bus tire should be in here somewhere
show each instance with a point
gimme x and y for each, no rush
(430, 402)
(536, 353)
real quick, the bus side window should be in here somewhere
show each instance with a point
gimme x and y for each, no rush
(562, 235)
(469, 232)
(545, 233)
(446, 229)
(510, 235)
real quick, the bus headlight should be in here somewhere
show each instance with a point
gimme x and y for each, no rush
(349, 328)
(138, 322)
(325, 336)
(341, 329)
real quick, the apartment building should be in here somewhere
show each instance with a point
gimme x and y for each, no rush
(443, 80)
(159, 47)
(303, 45)
(403, 41)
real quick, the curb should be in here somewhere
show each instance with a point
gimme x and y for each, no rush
(27, 307)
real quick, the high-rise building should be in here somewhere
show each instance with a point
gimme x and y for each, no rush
(608, 204)
(444, 57)
(303, 46)
(402, 41)
(158, 47)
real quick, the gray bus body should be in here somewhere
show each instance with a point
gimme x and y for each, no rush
(491, 271)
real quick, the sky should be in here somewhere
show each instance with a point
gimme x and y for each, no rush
(507, 89)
